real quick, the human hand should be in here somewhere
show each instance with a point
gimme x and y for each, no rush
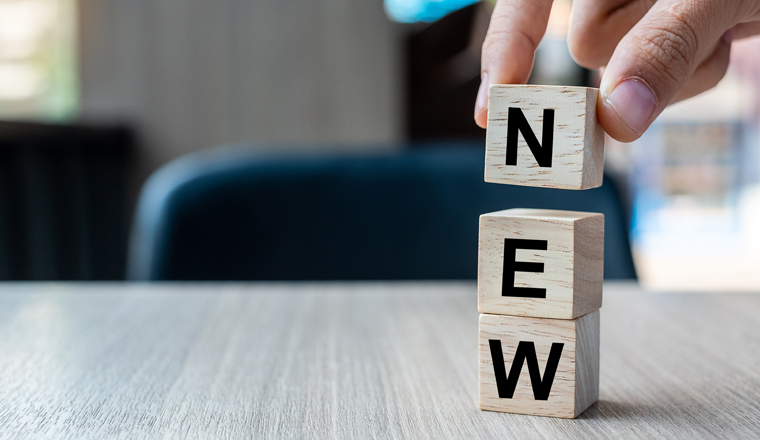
(653, 52)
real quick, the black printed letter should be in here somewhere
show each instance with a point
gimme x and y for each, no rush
(511, 266)
(526, 351)
(516, 122)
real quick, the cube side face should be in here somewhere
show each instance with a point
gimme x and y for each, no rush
(557, 276)
(593, 151)
(539, 337)
(587, 361)
(575, 155)
(588, 264)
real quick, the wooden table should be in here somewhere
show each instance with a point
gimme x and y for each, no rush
(350, 360)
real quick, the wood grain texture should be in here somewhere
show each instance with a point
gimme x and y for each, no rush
(350, 360)
(576, 383)
(578, 152)
(573, 262)
(593, 146)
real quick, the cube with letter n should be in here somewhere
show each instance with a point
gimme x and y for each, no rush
(546, 136)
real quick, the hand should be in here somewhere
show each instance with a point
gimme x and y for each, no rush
(653, 52)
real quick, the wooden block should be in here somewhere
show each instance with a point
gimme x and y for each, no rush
(540, 263)
(538, 366)
(544, 136)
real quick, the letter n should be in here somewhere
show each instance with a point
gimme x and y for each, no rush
(542, 152)
(526, 351)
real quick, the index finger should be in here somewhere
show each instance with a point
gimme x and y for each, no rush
(516, 28)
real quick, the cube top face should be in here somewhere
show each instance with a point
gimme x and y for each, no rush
(545, 136)
(564, 357)
(540, 263)
(547, 215)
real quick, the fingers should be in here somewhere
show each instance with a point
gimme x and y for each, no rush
(709, 73)
(516, 28)
(655, 60)
(746, 30)
(596, 27)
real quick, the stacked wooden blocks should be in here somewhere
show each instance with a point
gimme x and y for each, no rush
(540, 271)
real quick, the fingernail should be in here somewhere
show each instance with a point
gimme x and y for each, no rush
(482, 99)
(728, 36)
(634, 102)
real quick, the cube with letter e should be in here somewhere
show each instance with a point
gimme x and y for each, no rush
(540, 263)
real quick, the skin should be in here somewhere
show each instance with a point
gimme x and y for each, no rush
(652, 53)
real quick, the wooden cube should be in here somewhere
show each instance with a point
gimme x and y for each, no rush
(538, 366)
(540, 263)
(544, 136)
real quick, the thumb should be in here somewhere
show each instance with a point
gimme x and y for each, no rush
(656, 59)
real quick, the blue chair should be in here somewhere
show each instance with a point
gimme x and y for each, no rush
(411, 215)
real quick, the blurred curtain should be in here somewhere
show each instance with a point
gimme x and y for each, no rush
(64, 202)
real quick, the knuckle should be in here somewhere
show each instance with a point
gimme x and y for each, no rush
(670, 50)
(585, 40)
(713, 69)
(489, 46)
(715, 72)
(586, 52)
(498, 38)
(705, 78)
(713, 78)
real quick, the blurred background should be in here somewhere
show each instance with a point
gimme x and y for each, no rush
(96, 96)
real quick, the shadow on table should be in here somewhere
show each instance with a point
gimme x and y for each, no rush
(605, 409)
(692, 416)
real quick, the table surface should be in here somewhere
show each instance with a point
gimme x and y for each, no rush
(350, 360)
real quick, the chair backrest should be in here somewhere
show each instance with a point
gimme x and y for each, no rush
(409, 215)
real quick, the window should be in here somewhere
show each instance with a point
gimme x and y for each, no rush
(38, 59)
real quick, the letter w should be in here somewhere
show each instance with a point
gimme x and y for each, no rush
(525, 351)
(516, 122)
